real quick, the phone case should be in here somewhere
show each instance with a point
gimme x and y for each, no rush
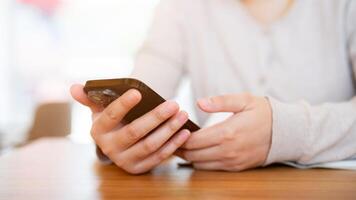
(103, 92)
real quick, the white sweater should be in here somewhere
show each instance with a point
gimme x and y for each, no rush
(304, 63)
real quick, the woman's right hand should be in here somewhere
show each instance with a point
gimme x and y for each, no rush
(129, 146)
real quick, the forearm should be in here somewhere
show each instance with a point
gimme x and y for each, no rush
(308, 134)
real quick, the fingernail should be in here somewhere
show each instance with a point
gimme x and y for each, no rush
(134, 94)
(184, 134)
(205, 102)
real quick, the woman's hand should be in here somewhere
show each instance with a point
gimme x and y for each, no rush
(128, 145)
(238, 143)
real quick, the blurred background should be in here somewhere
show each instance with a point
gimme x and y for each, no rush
(46, 45)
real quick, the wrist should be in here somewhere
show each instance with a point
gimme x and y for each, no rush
(289, 130)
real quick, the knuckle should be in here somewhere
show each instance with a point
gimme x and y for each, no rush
(107, 149)
(149, 146)
(162, 155)
(229, 155)
(159, 115)
(132, 132)
(120, 161)
(111, 114)
(173, 125)
(228, 134)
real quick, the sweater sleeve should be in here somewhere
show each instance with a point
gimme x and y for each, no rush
(160, 61)
(308, 135)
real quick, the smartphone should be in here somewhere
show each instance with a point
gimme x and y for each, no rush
(103, 92)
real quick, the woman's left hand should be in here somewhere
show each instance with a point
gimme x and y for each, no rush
(240, 142)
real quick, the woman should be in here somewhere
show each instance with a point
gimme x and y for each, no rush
(294, 58)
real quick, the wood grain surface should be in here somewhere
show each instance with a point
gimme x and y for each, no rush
(61, 169)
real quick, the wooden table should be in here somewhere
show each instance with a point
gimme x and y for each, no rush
(60, 169)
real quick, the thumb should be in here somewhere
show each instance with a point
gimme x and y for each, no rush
(79, 95)
(225, 103)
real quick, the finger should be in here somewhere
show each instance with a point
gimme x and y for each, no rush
(138, 128)
(206, 154)
(204, 138)
(116, 111)
(165, 152)
(225, 103)
(207, 137)
(158, 138)
(79, 95)
(209, 165)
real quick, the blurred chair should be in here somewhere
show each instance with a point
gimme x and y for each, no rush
(51, 120)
